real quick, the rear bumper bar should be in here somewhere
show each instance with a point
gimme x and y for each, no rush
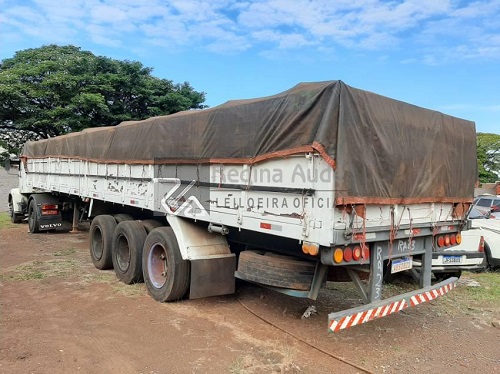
(366, 313)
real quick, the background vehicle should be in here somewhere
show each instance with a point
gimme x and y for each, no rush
(468, 255)
(286, 191)
(489, 229)
(482, 239)
(489, 203)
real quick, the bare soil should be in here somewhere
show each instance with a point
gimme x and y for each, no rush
(61, 315)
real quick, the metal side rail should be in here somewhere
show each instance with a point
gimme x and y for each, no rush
(366, 313)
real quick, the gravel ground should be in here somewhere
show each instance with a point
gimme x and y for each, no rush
(7, 182)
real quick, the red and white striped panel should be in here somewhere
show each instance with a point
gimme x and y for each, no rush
(430, 295)
(390, 308)
(367, 316)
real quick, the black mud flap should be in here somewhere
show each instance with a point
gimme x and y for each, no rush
(212, 276)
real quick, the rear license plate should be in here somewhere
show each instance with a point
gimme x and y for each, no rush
(401, 264)
(452, 259)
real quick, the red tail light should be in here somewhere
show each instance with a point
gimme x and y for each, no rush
(447, 240)
(347, 254)
(453, 239)
(356, 253)
(365, 252)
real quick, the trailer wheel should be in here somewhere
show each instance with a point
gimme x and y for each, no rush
(276, 270)
(33, 221)
(128, 240)
(151, 224)
(166, 274)
(14, 218)
(101, 241)
(120, 217)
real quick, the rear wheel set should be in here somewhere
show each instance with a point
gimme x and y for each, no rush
(140, 250)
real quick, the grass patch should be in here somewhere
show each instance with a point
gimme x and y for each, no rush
(37, 270)
(65, 252)
(237, 367)
(5, 220)
(271, 359)
(489, 291)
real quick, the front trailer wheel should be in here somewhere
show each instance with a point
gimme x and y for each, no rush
(14, 218)
(166, 274)
(128, 240)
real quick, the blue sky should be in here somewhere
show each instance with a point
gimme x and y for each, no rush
(439, 54)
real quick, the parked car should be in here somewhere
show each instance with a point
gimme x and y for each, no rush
(489, 203)
(489, 229)
(469, 255)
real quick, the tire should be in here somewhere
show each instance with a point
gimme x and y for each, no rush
(487, 255)
(151, 224)
(442, 276)
(128, 240)
(33, 221)
(166, 274)
(101, 241)
(121, 217)
(14, 218)
(276, 270)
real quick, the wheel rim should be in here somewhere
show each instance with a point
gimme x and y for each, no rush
(157, 265)
(122, 254)
(97, 243)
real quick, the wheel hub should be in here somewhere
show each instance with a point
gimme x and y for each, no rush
(157, 265)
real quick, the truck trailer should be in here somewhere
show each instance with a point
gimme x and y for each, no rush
(320, 182)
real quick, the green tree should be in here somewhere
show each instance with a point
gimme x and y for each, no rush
(54, 90)
(488, 157)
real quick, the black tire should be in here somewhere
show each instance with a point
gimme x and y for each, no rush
(443, 276)
(101, 241)
(33, 220)
(151, 224)
(276, 270)
(128, 240)
(487, 255)
(121, 217)
(166, 274)
(14, 218)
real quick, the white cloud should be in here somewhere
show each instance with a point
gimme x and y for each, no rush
(439, 30)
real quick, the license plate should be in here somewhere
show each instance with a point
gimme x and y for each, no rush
(401, 264)
(452, 259)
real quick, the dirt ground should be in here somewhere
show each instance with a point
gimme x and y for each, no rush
(58, 314)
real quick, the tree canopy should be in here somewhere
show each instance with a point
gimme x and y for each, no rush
(53, 90)
(488, 157)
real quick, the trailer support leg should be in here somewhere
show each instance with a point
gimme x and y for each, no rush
(376, 275)
(75, 217)
(426, 270)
